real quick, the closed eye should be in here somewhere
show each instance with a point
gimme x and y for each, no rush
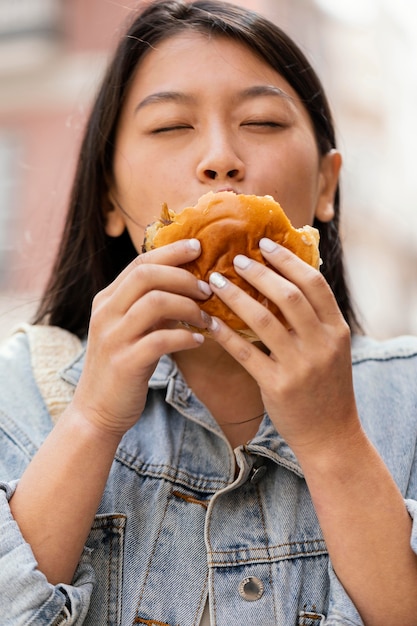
(263, 123)
(167, 129)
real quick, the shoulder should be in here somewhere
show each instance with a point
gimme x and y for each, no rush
(385, 380)
(24, 421)
(380, 366)
(30, 351)
(398, 348)
(30, 384)
(386, 368)
(15, 361)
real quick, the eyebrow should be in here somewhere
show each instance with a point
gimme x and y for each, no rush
(256, 91)
(164, 96)
(264, 90)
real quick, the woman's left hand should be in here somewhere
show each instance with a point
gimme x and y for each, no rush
(306, 384)
(306, 379)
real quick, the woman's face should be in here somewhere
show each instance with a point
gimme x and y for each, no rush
(208, 115)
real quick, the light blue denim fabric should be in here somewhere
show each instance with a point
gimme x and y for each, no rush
(175, 525)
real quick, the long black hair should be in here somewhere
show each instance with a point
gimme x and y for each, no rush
(88, 259)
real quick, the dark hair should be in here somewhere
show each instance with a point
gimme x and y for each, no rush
(88, 259)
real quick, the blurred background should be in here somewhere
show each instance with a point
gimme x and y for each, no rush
(53, 54)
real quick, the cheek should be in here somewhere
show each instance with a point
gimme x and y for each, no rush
(132, 181)
(146, 177)
(299, 203)
(297, 187)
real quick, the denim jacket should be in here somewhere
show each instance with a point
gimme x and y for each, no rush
(177, 524)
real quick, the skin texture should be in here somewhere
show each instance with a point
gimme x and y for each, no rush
(236, 125)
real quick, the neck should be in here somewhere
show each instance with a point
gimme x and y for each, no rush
(210, 362)
(256, 418)
(231, 395)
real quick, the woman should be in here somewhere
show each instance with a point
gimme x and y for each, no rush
(205, 480)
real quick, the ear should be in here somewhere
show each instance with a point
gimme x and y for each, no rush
(114, 219)
(330, 165)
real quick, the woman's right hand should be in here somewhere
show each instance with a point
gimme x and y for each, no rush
(134, 321)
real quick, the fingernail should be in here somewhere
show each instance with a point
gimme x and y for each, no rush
(204, 287)
(214, 325)
(218, 280)
(194, 244)
(268, 245)
(241, 261)
(206, 319)
(198, 337)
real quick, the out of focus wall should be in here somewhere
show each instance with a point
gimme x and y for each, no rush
(53, 53)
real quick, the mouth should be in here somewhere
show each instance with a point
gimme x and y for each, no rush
(226, 189)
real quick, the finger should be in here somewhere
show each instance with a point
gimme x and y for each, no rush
(157, 310)
(147, 350)
(244, 352)
(311, 282)
(289, 298)
(150, 277)
(166, 341)
(174, 254)
(262, 321)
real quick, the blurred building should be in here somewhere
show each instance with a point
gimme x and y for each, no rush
(53, 53)
(365, 51)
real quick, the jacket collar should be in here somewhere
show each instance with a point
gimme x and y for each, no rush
(267, 442)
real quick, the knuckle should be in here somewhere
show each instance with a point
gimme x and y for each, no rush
(142, 259)
(157, 342)
(99, 299)
(292, 294)
(260, 270)
(344, 333)
(287, 258)
(143, 271)
(98, 314)
(244, 353)
(147, 276)
(263, 318)
(233, 295)
(155, 300)
(317, 280)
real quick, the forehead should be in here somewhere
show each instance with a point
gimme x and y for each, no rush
(201, 62)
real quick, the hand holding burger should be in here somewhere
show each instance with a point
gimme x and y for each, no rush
(228, 224)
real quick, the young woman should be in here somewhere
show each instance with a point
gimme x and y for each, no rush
(194, 479)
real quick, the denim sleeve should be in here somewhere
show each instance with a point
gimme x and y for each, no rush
(342, 611)
(26, 595)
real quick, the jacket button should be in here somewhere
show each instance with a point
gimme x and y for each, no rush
(257, 474)
(251, 588)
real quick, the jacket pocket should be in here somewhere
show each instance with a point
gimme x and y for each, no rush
(106, 541)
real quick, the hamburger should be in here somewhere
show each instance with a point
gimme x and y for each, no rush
(228, 224)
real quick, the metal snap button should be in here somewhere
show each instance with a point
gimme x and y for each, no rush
(258, 473)
(251, 588)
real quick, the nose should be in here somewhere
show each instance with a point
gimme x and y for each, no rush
(219, 160)
(213, 175)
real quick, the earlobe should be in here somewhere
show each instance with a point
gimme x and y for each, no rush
(114, 219)
(329, 178)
